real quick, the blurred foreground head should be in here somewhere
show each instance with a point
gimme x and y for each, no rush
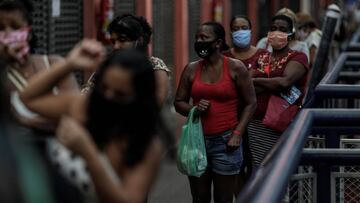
(123, 105)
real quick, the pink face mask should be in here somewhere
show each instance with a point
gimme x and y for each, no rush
(14, 38)
(277, 39)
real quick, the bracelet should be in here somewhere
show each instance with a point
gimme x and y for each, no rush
(236, 132)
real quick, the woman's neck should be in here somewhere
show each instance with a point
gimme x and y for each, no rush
(281, 52)
(241, 50)
(213, 60)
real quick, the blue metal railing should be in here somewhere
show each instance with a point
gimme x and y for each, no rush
(349, 63)
(354, 44)
(270, 181)
(339, 157)
(328, 87)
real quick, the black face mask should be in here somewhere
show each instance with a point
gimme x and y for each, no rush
(107, 117)
(204, 49)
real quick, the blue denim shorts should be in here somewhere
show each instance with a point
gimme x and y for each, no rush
(220, 160)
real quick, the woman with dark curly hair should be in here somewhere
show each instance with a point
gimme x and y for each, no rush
(129, 31)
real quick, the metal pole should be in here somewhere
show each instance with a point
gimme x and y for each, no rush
(319, 67)
(253, 15)
(323, 182)
(305, 5)
(332, 140)
(181, 50)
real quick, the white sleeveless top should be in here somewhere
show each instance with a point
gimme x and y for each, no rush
(20, 83)
(71, 166)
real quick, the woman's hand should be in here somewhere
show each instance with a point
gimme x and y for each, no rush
(72, 135)
(234, 142)
(203, 106)
(87, 55)
(259, 89)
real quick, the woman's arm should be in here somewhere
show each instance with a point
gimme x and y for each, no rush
(37, 95)
(183, 92)
(247, 95)
(162, 86)
(257, 88)
(135, 182)
(69, 83)
(313, 50)
(162, 80)
(293, 72)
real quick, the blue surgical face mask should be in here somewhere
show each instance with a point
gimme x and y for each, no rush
(241, 38)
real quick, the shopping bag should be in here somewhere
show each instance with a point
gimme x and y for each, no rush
(191, 152)
(279, 114)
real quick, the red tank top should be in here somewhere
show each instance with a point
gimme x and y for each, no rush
(223, 97)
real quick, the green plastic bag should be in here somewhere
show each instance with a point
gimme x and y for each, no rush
(191, 152)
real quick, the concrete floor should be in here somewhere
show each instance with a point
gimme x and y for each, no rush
(171, 186)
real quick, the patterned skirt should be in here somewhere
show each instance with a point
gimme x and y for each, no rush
(261, 141)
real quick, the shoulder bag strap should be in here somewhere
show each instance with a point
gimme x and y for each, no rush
(16, 79)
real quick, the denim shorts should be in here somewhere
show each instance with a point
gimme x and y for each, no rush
(220, 160)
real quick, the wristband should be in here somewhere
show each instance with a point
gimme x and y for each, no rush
(236, 132)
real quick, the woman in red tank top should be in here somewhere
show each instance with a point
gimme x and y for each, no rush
(216, 84)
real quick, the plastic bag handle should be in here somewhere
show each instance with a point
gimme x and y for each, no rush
(192, 118)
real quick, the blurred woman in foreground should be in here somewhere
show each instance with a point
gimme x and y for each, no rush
(118, 119)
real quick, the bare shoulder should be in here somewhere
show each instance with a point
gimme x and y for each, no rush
(190, 69)
(237, 67)
(52, 58)
(55, 58)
